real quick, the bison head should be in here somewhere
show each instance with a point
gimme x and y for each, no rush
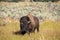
(24, 24)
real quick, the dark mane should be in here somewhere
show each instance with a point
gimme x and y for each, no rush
(26, 17)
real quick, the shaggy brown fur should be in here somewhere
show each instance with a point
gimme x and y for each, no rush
(31, 19)
(34, 22)
(29, 23)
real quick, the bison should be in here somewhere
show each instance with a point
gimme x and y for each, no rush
(28, 24)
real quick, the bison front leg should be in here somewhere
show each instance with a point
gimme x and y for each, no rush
(33, 30)
(28, 32)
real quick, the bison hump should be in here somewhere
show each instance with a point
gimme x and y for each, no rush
(31, 17)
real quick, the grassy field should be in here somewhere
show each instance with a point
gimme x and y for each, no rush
(49, 30)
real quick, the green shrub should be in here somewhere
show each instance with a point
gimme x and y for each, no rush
(2, 22)
(48, 0)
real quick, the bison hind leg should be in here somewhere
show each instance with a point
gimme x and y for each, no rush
(38, 29)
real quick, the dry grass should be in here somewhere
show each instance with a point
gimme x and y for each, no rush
(48, 31)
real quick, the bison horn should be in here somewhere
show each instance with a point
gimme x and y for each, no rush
(29, 22)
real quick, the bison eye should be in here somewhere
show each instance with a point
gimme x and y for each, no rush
(21, 23)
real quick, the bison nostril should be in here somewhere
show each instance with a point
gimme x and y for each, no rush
(23, 32)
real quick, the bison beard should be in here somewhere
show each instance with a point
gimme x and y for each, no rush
(28, 24)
